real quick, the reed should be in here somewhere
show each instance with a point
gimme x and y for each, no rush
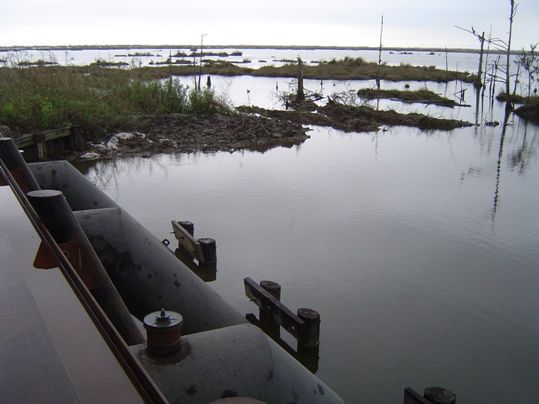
(95, 99)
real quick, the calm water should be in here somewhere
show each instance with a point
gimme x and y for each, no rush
(420, 250)
(253, 57)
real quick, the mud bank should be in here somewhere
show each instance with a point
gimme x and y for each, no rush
(358, 118)
(187, 134)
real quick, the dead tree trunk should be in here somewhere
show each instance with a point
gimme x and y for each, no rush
(300, 95)
(478, 83)
(380, 55)
(508, 103)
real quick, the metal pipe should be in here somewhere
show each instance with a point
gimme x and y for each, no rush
(15, 164)
(52, 208)
(141, 380)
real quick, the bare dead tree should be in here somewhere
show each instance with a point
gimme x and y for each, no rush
(380, 54)
(512, 14)
(198, 86)
(477, 83)
(530, 63)
(505, 47)
(300, 95)
(485, 75)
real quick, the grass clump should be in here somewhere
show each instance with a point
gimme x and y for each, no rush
(345, 69)
(517, 98)
(421, 96)
(95, 99)
(359, 69)
(530, 109)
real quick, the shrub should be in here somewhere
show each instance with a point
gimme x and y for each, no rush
(93, 98)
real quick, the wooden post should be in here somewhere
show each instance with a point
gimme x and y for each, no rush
(188, 226)
(413, 397)
(439, 395)
(267, 322)
(209, 252)
(311, 333)
(76, 141)
(431, 395)
(41, 146)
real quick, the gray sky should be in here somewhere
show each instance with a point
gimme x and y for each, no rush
(281, 22)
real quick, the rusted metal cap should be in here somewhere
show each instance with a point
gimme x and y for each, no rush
(163, 332)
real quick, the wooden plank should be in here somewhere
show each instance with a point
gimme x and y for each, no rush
(25, 140)
(187, 241)
(28, 139)
(281, 314)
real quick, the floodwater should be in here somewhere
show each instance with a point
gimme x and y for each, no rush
(250, 57)
(419, 249)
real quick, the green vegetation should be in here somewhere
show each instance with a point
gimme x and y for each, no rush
(40, 62)
(420, 96)
(346, 69)
(358, 69)
(530, 109)
(518, 99)
(94, 98)
(353, 118)
(104, 63)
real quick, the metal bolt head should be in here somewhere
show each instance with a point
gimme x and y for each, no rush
(163, 319)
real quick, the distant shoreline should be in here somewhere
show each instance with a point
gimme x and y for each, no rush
(279, 47)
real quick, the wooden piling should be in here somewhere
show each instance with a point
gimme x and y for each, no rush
(187, 226)
(209, 252)
(413, 397)
(310, 337)
(439, 395)
(41, 145)
(431, 395)
(267, 322)
(273, 288)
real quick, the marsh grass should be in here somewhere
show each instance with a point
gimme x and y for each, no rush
(422, 96)
(344, 69)
(95, 99)
(359, 69)
(518, 99)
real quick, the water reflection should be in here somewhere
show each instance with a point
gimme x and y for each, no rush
(520, 158)
(307, 356)
(208, 273)
(499, 165)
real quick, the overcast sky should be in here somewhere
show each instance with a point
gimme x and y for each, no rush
(425, 23)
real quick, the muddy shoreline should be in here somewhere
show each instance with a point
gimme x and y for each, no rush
(247, 128)
(177, 133)
(251, 128)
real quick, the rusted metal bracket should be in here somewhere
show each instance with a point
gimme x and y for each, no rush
(199, 255)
